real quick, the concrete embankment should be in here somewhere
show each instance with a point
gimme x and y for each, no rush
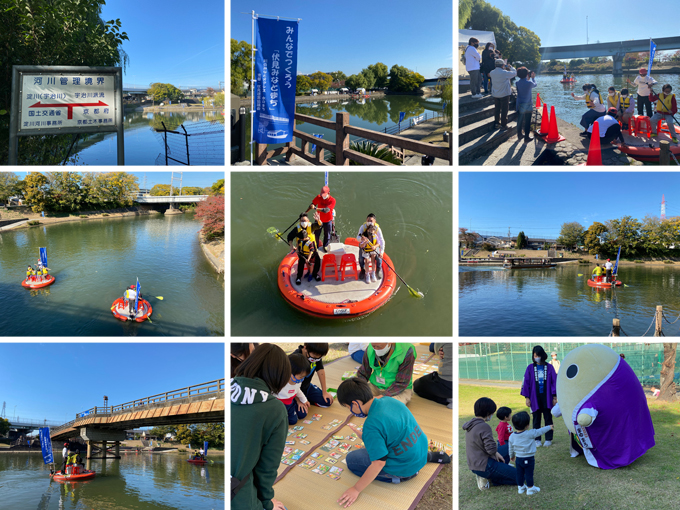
(214, 252)
(89, 215)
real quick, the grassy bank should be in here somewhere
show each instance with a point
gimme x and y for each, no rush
(570, 483)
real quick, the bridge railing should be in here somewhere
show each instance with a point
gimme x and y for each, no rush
(37, 423)
(166, 199)
(215, 387)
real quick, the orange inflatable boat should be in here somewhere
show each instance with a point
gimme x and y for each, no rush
(120, 310)
(639, 146)
(34, 284)
(76, 477)
(333, 297)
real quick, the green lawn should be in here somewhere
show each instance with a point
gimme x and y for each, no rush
(651, 482)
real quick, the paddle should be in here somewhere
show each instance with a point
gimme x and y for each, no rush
(273, 231)
(413, 292)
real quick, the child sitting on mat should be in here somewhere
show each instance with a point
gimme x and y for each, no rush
(291, 395)
(396, 448)
(314, 352)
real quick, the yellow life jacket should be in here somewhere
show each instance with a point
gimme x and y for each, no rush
(597, 271)
(665, 100)
(306, 247)
(373, 240)
(71, 459)
(366, 225)
(613, 100)
(29, 273)
(624, 102)
(589, 103)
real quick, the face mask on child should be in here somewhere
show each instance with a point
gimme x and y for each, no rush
(296, 381)
(360, 414)
(612, 94)
(305, 224)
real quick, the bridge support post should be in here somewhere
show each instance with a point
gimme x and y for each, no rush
(118, 449)
(104, 450)
(618, 64)
(89, 450)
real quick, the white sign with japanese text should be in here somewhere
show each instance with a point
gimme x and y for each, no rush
(61, 100)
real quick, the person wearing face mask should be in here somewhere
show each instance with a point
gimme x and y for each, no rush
(396, 448)
(370, 220)
(291, 395)
(666, 107)
(314, 352)
(481, 450)
(540, 391)
(239, 352)
(596, 108)
(488, 65)
(472, 65)
(555, 362)
(259, 428)
(643, 83)
(626, 108)
(609, 128)
(501, 90)
(613, 98)
(324, 204)
(388, 369)
(296, 242)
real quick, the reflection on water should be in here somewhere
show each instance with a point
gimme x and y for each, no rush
(558, 302)
(137, 480)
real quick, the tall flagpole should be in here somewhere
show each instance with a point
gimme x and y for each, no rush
(252, 85)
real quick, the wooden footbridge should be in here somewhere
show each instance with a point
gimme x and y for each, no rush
(202, 403)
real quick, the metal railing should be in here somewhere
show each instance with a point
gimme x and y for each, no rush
(215, 387)
(39, 423)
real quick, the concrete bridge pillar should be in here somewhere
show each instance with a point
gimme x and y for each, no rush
(118, 449)
(89, 450)
(618, 64)
(104, 449)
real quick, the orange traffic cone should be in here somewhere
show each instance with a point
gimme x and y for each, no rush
(594, 151)
(553, 135)
(545, 121)
(538, 100)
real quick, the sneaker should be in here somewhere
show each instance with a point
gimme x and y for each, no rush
(504, 128)
(323, 249)
(317, 278)
(522, 489)
(373, 277)
(533, 490)
(298, 281)
(654, 135)
(584, 133)
(528, 138)
(368, 278)
(309, 277)
(450, 403)
(482, 483)
(547, 443)
(538, 443)
(674, 140)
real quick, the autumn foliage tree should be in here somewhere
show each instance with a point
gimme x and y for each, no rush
(211, 211)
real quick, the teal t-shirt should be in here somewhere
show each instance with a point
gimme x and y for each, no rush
(391, 430)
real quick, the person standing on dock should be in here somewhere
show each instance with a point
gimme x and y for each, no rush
(644, 83)
(488, 65)
(324, 204)
(596, 108)
(472, 66)
(501, 90)
(666, 107)
(524, 107)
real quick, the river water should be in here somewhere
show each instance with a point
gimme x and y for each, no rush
(414, 213)
(558, 302)
(142, 143)
(375, 114)
(567, 108)
(136, 481)
(94, 261)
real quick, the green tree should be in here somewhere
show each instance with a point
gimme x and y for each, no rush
(571, 234)
(521, 241)
(8, 185)
(303, 84)
(36, 191)
(219, 99)
(574, 63)
(381, 74)
(4, 426)
(525, 45)
(369, 77)
(404, 80)
(595, 238)
(66, 192)
(161, 91)
(464, 12)
(45, 32)
(240, 66)
(321, 81)
(160, 190)
(217, 188)
(356, 81)
(625, 232)
(338, 76)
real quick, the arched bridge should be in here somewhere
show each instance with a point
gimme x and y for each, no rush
(617, 50)
(175, 199)
(202, 403)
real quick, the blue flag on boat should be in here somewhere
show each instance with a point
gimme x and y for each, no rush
(401, 116)
(325, 180)
(46, 445)
(43, 256)
(652, 52)
(616, 266)
(137, 290)
(205, 448)
(314, 145)
(276, 76)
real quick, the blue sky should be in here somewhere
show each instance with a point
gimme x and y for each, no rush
(338, 35)
(171, 41)
(200, 179)
(540, 202)
(563, 22)
(55, 381)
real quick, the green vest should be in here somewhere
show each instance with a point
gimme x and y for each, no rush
(389, 372)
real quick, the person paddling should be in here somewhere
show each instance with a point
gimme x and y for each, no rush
(324, 204)
(666, 107)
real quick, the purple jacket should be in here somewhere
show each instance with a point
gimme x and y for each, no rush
(622, 430)
(529, 386)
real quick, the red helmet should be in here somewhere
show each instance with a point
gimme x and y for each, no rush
(132, 286)
(65, 444)
(608, 260)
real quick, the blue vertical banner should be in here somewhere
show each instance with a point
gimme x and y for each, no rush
(401, 116)
(652, 52)
(46, 445)
(616, 266)
(205, 448)
(137, 289)
(314, 145)
(43, 256)
(276, 76)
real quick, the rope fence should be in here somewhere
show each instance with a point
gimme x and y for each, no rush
(657, 321)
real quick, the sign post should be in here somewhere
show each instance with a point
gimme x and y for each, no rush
(54, 100)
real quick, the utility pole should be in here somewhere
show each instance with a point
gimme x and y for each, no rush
(663, 207)
(587, 39)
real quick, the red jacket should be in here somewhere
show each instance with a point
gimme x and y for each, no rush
(674, 105)
(503, 430)
(320, 203)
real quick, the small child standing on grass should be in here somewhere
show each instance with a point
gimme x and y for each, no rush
(504, 429)
(522, 450)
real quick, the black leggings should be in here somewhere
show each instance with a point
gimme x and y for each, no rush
(547, 416)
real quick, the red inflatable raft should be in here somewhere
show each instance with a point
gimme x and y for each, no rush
(642, 148)
(120, 310)
(603, 283)
(197, 461)
(567, 81)
(82, 476)
(333, 299)
(38, 285)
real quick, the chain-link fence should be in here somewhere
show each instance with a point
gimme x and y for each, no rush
(508, 361)
(195, 143)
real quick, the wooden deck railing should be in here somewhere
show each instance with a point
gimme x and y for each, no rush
(343, 154)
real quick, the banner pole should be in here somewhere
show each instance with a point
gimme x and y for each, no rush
(252, 85)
